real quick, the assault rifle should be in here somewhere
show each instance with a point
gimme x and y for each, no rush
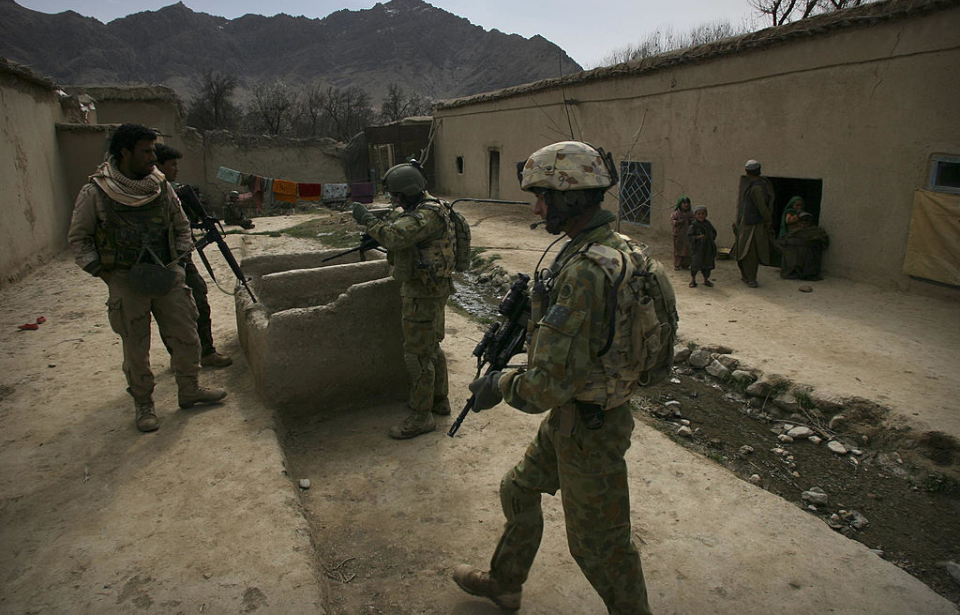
(503, 339)
(200, 219)
(366, 241)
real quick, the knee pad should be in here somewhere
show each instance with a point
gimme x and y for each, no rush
(516, 501)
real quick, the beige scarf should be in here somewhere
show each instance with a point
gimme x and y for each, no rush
(126, 191)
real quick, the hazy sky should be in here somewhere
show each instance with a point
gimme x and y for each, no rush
(586, 29)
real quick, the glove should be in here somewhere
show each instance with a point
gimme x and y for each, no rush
(486, 391)
(361, 213)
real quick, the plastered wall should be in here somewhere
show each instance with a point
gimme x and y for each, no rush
(36, 206)
(862, 109)
(322, 333)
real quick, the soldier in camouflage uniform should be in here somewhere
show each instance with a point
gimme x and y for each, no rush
(572, 373)
(127, 215)
(419, 237)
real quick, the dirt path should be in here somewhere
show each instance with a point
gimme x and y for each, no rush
(203, 516)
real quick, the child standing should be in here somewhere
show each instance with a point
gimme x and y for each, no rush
(680, 220)
(703, 246)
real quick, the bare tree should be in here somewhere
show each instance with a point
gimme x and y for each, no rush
(308, 117)
(212, 108)
(780, 12)
(397, 105)
(348, 111)
(271, 108)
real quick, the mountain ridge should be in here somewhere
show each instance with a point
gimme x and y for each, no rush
(369, 48)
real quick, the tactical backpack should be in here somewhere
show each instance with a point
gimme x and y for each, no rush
(642, 316)
(461, 246)
(461, 243)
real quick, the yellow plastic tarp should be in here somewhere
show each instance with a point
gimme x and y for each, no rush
(933, 248)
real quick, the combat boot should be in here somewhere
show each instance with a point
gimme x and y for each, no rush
(146, 416)
(215, 359)
(441, 406)
(415, 424)
(479, 583)
(189, 392)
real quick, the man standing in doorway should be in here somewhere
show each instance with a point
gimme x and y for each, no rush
(420, 246)
(128, 229)
(168, 162)
(754, 225)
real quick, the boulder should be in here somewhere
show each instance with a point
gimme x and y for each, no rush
(718, 370)
(700, 358)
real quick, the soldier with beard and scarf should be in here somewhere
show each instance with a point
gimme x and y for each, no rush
(129, 230)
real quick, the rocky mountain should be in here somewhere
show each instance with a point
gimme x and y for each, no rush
(421, 47)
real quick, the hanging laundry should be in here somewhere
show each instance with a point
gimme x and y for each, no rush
(334, 192)
(257, 190)
(229, 175)
(268, 202)
(309, 192)
(284, 190)
(361, 192)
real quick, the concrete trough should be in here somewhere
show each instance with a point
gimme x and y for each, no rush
(322, 334)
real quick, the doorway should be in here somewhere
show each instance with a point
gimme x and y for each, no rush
(494, 176)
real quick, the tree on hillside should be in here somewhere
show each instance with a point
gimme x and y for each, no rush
(397, 105)
(779, 12)
(211, 108)
(347, 111)
(664, 40)
(270, 111)
(308, 115)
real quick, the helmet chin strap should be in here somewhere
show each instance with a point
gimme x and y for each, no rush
(565, 206)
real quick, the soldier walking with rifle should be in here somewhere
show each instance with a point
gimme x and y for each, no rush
(579, 355)
(128, 230)
(168, 162)
(419, 238)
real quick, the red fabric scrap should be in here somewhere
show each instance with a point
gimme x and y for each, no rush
(29, 327)
(41, 320)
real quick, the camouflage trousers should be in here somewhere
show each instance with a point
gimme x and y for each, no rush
(588, 468)
(198, 286)
(423, 329)
(130, 317)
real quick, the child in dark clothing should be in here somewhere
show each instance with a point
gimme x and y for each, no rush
(703, 246)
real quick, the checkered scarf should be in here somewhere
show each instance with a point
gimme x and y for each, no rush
(126, 191)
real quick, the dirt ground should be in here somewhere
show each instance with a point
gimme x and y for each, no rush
(205, 515)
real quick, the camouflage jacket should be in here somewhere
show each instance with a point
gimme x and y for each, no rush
(563, 362)
(420, 245)
(90, 215)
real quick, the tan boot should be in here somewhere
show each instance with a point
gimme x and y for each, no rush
(215, 359)
(441, 406)
(190, 392)
(479, 583)
(146, 416)
(415, 424)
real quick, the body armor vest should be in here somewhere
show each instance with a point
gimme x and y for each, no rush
(122, 237)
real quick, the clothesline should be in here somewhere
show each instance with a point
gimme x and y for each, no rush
(267, 190)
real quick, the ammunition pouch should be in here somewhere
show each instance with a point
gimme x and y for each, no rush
(151, 279)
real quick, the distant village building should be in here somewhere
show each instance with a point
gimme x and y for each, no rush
(856, 111)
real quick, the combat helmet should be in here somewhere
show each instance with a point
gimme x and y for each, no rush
(570, 176)
(567, 165)
(406, 179)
